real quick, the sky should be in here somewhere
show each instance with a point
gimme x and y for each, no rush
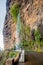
(2, 18)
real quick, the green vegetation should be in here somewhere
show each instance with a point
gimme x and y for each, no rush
(14, 11)
(27, 43)
(41, 43)
(7, 54)
(13, 54)
(37, 35)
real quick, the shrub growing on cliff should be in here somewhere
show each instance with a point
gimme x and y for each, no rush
(37, 39)
(14, 11)
(13, 54)
(37, 35)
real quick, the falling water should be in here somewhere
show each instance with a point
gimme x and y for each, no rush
(18, 27)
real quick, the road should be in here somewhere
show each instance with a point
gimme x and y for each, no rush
(33, 58)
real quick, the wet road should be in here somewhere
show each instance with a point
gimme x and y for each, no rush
(33, 58)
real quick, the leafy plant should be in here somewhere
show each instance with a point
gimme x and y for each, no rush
(37, 35)
(14, 11)
(37, 39)
(41, 43)
(13, 54)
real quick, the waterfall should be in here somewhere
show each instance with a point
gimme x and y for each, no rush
(18, 28)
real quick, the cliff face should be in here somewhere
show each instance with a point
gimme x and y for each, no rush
(9, 28)
(31, 14)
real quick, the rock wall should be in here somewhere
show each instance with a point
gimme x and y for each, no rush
(9, 27)
(31, 14)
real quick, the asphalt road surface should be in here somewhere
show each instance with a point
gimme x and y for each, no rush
(33, 58)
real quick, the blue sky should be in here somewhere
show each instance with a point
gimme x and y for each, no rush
(2, 17)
